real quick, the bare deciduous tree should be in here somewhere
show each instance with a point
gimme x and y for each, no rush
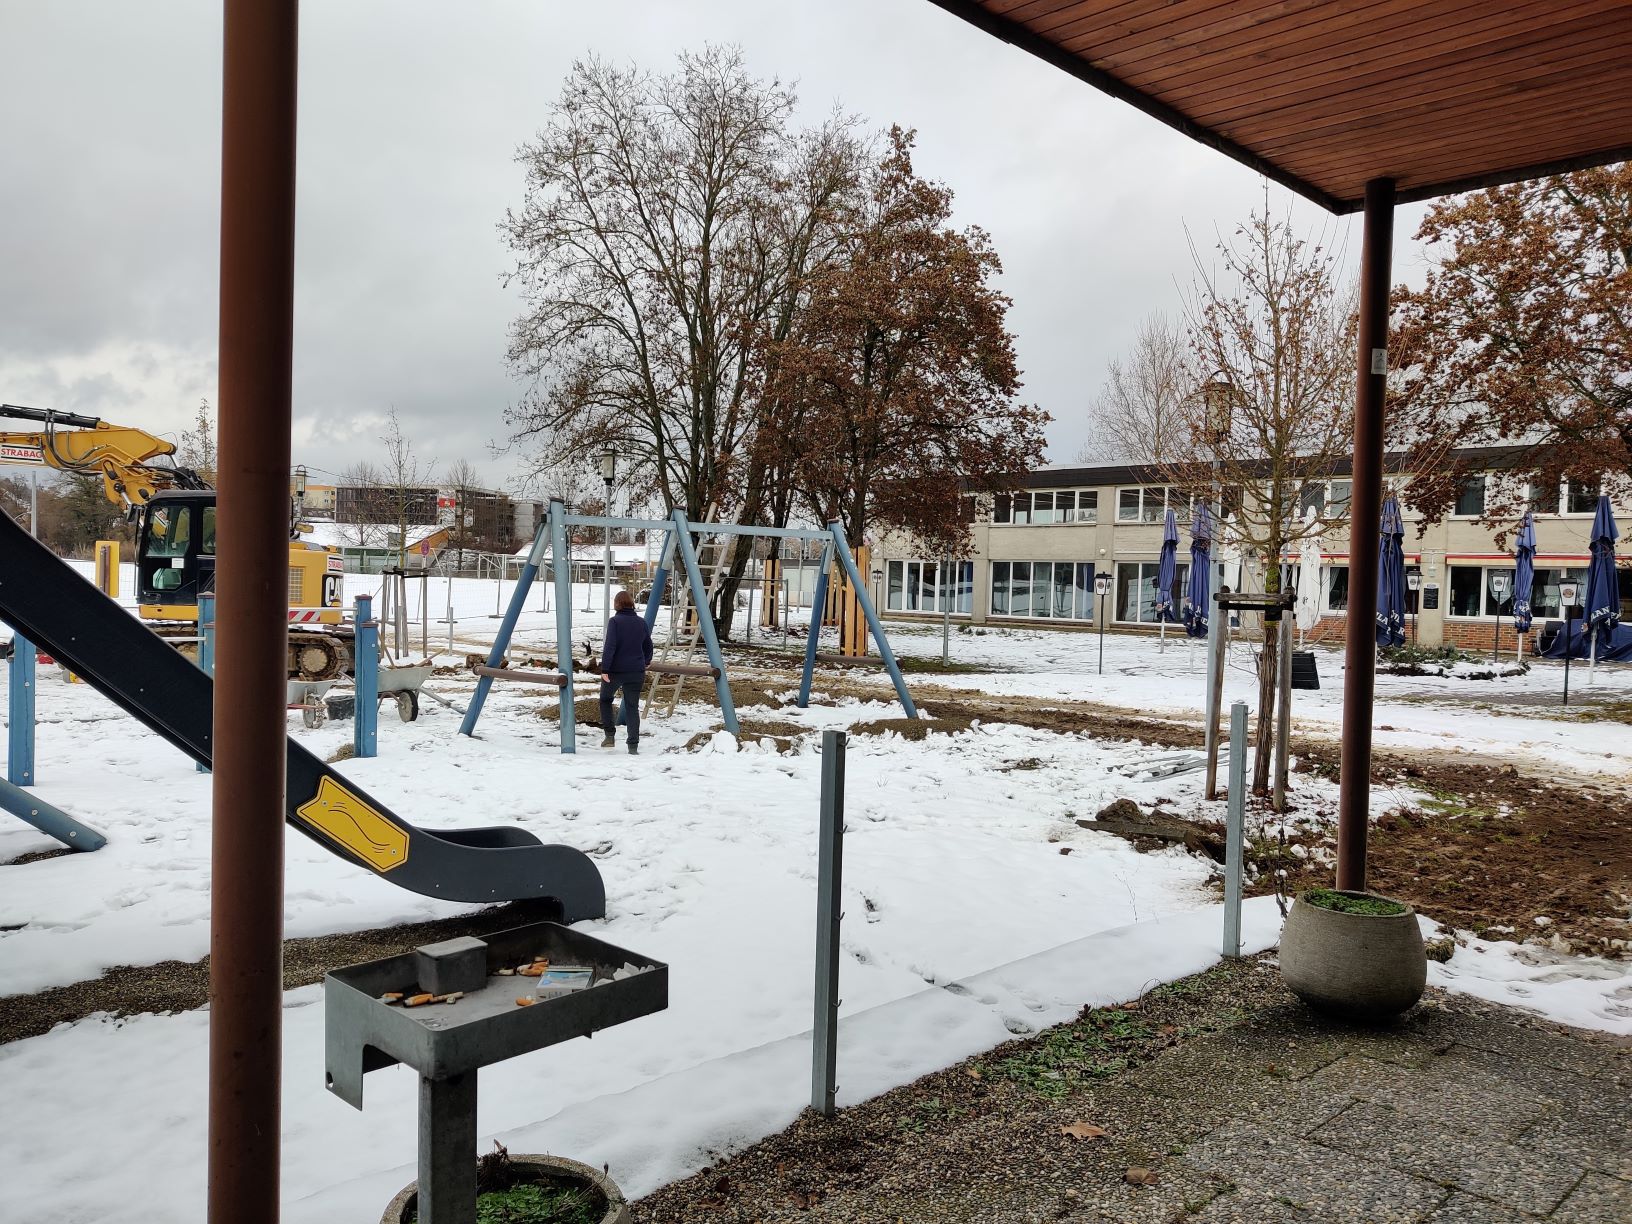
(1140, 401)
(1267, 410)
(404, 483)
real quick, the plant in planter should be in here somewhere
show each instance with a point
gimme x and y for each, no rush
(530, 1190)
(1353, 954)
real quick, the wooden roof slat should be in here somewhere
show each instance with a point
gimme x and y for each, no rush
(1539, 100)
(1379, 88)
(1599, 117)
(1293, 51)
(1324, 95)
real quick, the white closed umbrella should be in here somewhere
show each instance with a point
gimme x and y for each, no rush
(1307, 609)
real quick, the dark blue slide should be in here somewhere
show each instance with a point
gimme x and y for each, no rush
(46, 601)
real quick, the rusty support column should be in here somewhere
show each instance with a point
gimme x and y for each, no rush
(252, 599)
(1365, 521)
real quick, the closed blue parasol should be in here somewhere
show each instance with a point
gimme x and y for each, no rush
(1199, 589)
(1391, 576)
(1603, 601)
(1524, 576)
(1166, 568)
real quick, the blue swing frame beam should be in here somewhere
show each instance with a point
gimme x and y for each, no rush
(678, 531)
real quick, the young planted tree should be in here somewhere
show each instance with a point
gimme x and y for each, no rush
(1523, 336)
(1269, 410)
(895, 391)
(1140, 401)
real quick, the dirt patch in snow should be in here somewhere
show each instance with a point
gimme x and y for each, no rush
(173, 986)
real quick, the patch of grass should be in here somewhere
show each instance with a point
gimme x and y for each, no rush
(532, 1203)
(1441, 949)
(1074, 1055)
(934, 667)
(1342, 903)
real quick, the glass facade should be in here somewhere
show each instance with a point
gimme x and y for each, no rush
(1136, 590)
(924, 586)
(1058, 590)
(1045, 506)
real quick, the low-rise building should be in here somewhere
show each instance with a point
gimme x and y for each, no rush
(1037, 551)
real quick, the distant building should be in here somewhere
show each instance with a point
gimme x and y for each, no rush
(1036, 553)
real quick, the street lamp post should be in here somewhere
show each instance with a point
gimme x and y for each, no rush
(609, 468)
(1102, 587)
(1413, 583)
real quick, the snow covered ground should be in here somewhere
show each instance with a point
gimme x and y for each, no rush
(975, 909)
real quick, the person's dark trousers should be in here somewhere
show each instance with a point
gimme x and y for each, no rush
(630, 683)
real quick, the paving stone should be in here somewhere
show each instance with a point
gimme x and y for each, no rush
(1599, 1199)
(1462, 1208)
(1333, 1186)
(1446, 1090)
(1240, 1207)
(1510, 1174)
(1536, 1047)
(1584, 1142)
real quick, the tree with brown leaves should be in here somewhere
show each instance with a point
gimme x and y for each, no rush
(1523, 336)
(896, 387)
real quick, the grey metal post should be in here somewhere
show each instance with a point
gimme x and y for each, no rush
(1283, 711)
(447, 1149)
(1234, 830)
(946, 611)
(824, 1053)
(1215, 693)
(34, 505)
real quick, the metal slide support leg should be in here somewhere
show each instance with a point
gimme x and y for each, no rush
(865, 599)
(1215, 693)
(447, 1149)
(824, 1053)
(365, 671)
(1283, 712)
(20, 762)
(705, 621)
(654, 601)
(51, 821)
(206, 647)
(814, 638)
(501, 643)
(1234, 829)
(563, 623)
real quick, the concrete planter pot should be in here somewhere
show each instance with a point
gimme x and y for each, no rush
(404, 1206)
(1356, 966)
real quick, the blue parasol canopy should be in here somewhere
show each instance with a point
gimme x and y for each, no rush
(1198, 591)
(1603, 597)
(1391, 576)
(1524, 572)
(1166, 568)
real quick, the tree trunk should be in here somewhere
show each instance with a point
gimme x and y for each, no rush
(1268, 688)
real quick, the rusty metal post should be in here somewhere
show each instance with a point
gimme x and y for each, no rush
(259, 62)
(1365, 521)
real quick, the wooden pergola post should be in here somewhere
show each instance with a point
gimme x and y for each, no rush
(1365, 521)
(252, 600)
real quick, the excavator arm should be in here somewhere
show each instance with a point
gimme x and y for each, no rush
(121, 455)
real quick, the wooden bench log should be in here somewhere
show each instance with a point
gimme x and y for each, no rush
(526, 677)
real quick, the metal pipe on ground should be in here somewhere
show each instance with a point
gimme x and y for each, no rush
(259, 75)
(1365, 522)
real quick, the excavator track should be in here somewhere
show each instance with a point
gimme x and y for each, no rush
(312, 656)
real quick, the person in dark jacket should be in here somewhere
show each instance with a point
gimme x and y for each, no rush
(623, 667)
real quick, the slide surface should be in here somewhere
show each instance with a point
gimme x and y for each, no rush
(46, 601)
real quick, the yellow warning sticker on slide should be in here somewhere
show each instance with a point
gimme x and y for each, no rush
(348, 819)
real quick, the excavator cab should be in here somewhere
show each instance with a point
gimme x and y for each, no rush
(175, 554)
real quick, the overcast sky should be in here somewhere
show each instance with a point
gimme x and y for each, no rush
(410, 113)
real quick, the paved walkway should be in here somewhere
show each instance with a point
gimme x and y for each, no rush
(1462, 1113)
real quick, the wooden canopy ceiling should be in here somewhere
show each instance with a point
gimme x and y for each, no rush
(1322, 95)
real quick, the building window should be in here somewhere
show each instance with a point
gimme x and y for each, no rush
(1470, 499)
(1141, 505)
(1580, 497)
(1338, 497)
(1136, 591)
(1334, 584)
(928, 586)
(1471, 595)
(1059, 590)
(1544, 601)
(1042, 508)
(1022, 509)
(1087, 506)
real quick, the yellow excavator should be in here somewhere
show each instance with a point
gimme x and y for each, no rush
(175, 544)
